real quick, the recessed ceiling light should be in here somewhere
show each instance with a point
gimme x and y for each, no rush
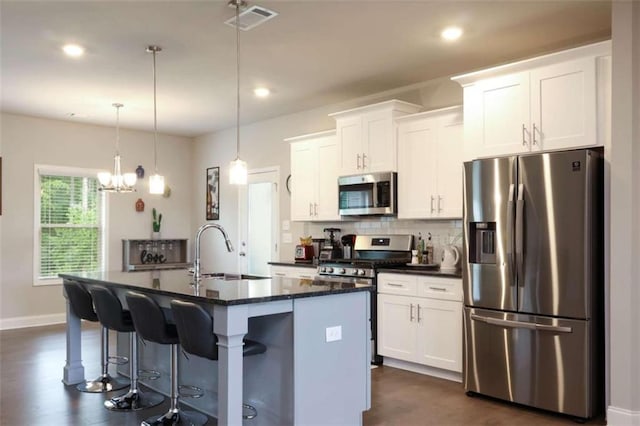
(451, 33)
(261, 92)
(73, 50)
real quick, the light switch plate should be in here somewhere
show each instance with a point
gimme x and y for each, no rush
(286, 225)
(287, 238)
(333, 333)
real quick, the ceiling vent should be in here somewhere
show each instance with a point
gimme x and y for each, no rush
(252, 17)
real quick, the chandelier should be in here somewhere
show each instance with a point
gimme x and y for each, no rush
(116, 181)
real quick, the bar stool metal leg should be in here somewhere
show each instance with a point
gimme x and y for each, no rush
(176, 416)
(104, 383)
(135, 398)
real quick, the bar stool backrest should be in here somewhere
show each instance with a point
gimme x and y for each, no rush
(80, 301)
(149, 320)
(195, 329)
(110, 311)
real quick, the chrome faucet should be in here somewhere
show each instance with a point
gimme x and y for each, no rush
(196, 262)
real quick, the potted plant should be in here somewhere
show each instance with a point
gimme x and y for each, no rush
(157, 221)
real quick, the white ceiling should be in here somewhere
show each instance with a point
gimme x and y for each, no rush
(314, 53)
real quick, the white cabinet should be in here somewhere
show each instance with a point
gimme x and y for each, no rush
(548, 103)
(314, 177)
(430, 164)
(367, 137)
(293, 271)
(420, 320)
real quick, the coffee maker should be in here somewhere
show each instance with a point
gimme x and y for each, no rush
(330, 248)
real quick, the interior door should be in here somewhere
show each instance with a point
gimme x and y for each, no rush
(259, 218)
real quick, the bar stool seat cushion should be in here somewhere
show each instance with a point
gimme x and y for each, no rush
(195, 330)
(110, 311)
(151, 322)
(80, 301)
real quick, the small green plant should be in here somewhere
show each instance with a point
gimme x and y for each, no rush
(157, 220)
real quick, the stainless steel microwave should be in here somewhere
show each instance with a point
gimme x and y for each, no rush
(368, 194)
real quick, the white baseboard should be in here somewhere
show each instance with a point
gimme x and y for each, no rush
(622, 417)
(32, 321)
(423, 369)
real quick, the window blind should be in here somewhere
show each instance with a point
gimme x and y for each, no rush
(70, 225)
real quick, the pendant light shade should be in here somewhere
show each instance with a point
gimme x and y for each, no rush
(156, 181)
(117, 181)
(237, 168)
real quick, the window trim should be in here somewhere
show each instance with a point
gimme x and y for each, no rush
(39, 169)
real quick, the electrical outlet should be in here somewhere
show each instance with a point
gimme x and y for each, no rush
(334, 333)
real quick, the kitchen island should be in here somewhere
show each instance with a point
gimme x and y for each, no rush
(316, 367)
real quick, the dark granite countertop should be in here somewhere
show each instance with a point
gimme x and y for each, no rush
(296, 264)
(416, 270)
(216, 290)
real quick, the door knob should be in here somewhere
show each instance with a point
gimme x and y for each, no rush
(242, 254)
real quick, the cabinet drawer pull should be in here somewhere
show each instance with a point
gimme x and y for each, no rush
(306, 276)
(411, 312)
(280, 274)
(395, 285)
(437, 288)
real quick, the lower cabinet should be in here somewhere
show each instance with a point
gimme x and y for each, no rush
(424, 327)
(293, 271)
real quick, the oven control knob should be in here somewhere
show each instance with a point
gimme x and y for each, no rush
(323, 269)
(330, 269)
(354, 272)
(360, 271)
(341, 270)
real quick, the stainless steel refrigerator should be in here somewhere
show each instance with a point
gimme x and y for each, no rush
(533, 280)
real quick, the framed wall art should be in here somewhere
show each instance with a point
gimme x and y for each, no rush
(213, 193)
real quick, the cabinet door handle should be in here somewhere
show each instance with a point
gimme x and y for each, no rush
(419, 312)
(431, 205)
(310, 209)
(411, 312)
(364, 165)
(315, 209)
(439, 202)
(280, 274)
(358, 161)
(535, 142)
(437, 288)
(524, 141)
(308, 277)
(394, 285)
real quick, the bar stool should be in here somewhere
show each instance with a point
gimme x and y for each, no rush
(195, 330)
(82, 306)
(113, 317)
(151, 324)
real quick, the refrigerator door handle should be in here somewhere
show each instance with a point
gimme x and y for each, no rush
(520, 234)
(521, 324)
(510, 219)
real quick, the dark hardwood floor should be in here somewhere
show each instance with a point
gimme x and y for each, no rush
(31, 391)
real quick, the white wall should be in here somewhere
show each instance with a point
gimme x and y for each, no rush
(262, 146)
(27, 141)
(624, 273)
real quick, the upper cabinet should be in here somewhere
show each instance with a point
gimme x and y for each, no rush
(430, 164)
(367, 137)
(314, 177)
(557, 101)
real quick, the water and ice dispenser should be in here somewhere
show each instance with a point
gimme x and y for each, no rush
(482, 242)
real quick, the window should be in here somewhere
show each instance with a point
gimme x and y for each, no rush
(69, 223)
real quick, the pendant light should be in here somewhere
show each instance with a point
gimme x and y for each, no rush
(117, 182)
(237, 168)
(156, 181)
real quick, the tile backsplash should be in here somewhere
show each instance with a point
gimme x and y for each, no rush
(442, 231)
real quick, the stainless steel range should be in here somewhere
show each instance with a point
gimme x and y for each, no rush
(371, 252)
